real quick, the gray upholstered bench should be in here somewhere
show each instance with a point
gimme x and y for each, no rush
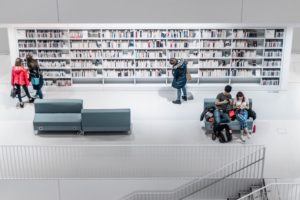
(234, 125)
(57, 115)
(108, 120)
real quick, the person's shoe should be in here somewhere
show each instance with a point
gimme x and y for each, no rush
(247, 134)
(31, 100)
(21, 105)
(176, 102)
(184, 98)
(242, 138)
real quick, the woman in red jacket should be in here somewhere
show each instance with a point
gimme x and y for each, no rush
(19, 77)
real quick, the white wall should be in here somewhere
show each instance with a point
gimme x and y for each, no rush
(95, 11)
(4, 48)
(296, 41)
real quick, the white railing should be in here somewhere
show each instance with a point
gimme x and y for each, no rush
(249, 166)
(125, 161)
(275, 191)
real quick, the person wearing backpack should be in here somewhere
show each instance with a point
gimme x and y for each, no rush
(19, 78)
(179, 68)
(241, 105)
(35, 76)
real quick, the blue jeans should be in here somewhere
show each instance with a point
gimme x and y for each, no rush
(242, 116)
(179, 92)
(39, 93)
(220, 116)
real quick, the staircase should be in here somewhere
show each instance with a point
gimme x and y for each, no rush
(249, 166)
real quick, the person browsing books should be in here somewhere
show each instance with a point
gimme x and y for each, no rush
(179, 78)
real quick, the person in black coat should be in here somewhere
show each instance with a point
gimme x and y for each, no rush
(35, 76)
(179, 80)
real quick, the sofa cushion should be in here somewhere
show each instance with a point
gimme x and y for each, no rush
(106, 119)
(58, 105)
(57, 121)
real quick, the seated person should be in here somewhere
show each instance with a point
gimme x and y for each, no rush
(241, 104)
(223, 104)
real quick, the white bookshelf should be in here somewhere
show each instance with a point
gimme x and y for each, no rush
(136, 54)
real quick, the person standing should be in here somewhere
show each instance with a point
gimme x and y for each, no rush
(19, 78)
(179, 68)
(35, 75)
(241, 104)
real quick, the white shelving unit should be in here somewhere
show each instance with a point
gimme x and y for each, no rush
(240, 55)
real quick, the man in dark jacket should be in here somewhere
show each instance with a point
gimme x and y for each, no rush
(179, 80)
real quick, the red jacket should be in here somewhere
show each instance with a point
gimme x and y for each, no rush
(19, 76)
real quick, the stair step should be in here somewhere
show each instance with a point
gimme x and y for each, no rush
(233, 198)
(243, 193)
(253, 188)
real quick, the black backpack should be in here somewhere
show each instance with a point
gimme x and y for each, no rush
(222, 131)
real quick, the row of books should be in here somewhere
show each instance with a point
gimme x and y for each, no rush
(85, 54)
(52, 54)
(248, 33)
(121, 63)
(245, 72)
(272, 82)
(26, 44)
(149, 44)
(118, 44)
(130, 33)
(149, 73)
(84, 73)
(52, 44)
(150, 64)
(52, 63)
(214, 73)
(51, 34)
(244, 53)
(277, 53)
(150, 54)
(271, 73)
(118, 34)
(58, 82)
(217, 33)
(183, 44)
(272, 63)
(122, 54)
(87, 44)
(244, 63)
(213, 54)
(246, 43)
(272, 33)
(118, 73)
(59, 73)
(274, 43)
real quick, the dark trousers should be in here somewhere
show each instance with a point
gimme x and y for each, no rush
(19, 91)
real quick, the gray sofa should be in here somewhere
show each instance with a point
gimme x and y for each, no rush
(57, 114)
(69, 115)
(234, 125)
(96, 120)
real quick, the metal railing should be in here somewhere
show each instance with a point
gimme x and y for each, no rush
(275, 191)
(125, 161)
(249, 166)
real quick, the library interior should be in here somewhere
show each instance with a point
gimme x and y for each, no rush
(140, 100)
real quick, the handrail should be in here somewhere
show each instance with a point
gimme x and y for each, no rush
(268, 186)
(116, 161)
(168, 194)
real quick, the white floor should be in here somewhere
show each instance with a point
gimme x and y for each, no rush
(155, 120)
